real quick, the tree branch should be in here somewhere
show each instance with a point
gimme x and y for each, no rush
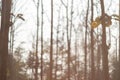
(63, 3)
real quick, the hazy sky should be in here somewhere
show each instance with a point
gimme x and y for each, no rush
(28, 9)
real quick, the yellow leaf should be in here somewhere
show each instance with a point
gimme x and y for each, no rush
(94, 24)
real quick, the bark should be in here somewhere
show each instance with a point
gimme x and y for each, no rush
(119, 39)
(37, 36)
(51, 43)
(119, 33)
(69, 33)
(98, 62)
(5, 21)
(76, 54)
(92, 46)
(104, 45)
(42, 40)
(85, 49)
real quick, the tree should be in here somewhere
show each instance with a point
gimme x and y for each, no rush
(41, 39)
(37, 36)
(85, 49)
(51, 44)
(13, 29)
(104, 45)
(92, 45)
(5, 24)
(119, 38)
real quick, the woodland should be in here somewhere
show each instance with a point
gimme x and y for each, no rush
(60, 40)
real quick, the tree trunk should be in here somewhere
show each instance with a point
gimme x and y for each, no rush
(119, 32)
(51, 43)
(37, 36)
(98, 62)
(69, 33)
(92, 45)
(119, 39)
(42, 40)
(5, 20)
(85, 48)
(104, 46)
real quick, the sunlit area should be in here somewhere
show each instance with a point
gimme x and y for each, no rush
(60, 40)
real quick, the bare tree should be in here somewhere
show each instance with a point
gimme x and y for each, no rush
(5, 24)
(37, 36)
(85, 49)
(69, 34)
(119, 38)
(51, 44)
(92, 45)
(41, 39)
(104, 45)
(119, 33)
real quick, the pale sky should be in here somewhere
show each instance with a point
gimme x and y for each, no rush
(28, 9)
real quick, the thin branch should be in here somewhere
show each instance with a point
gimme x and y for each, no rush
(63, 3)
(34, 3)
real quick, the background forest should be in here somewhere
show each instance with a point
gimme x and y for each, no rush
(60, 40)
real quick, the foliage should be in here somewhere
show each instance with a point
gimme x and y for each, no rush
(107, 18)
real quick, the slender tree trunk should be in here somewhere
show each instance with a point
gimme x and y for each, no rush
(0, 51)
(37, 36)
(75, 56)
(85, 49)
(69, 33)
(5, 21)
(98, 59)
(51, 43)
(119, 39)
(119, 32)
(41, 39)
(116, 50)
(92, 46)
(57, 51)
(68, 41)
(62, 54)
(68, 59)
(104, 45)
(12, 34)
(98, 62)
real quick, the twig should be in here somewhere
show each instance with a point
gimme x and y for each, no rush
(63, 3)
